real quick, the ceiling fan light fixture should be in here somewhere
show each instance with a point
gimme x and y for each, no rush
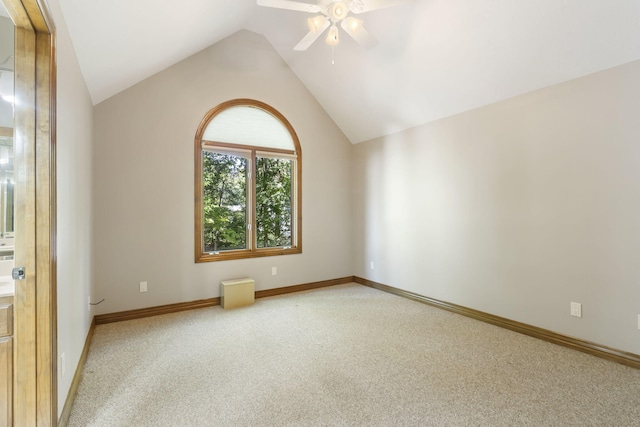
(353, 24)
(315, 23)
(332, 36)
(338, 11)
(326, 14)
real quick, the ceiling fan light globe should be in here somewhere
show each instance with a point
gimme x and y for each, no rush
(332, 36)
(315, 23)
(353, 24)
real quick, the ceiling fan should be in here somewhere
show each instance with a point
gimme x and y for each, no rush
(329, 14)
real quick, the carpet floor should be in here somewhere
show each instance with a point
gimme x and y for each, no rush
(344, 355)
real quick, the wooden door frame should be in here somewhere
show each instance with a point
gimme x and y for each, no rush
(35, 306)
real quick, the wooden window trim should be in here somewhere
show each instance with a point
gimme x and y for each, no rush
(252, 251)
(214, 144)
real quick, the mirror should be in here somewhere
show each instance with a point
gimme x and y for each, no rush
(7, 31)
(6, 186)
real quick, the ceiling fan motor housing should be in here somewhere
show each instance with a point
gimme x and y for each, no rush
(338, 11)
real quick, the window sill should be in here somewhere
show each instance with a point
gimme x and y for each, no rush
(245, 254)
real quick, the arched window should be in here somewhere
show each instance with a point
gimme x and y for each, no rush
(248, 173)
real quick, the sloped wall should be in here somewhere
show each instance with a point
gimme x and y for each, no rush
(143, 180)
(515, 209)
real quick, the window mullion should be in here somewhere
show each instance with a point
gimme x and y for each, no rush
(251, 198)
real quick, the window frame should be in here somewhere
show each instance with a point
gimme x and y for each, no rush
(252, 251)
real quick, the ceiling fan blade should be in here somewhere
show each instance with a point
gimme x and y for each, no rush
(311, 37)
(361, 6)
(291, 5)
(359, 34)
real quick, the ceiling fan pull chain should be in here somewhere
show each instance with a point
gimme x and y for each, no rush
(333, 59)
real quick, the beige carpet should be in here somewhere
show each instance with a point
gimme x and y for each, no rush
(344, 355)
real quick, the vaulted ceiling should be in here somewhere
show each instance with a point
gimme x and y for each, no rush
(435, 58)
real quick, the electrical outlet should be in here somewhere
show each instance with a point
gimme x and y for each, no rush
(89, 304)
(62, 365)
(576, 309)
(143, 286)
(274, 271)
(372, 265)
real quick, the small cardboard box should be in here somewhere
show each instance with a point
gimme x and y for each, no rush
(237, 293)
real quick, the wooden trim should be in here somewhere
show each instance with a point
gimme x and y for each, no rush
(252, 206)
(25, 302)
(241, 147)
(77, 376)
(6, 132)
(198, 189)
(46, 291)
(6, 381)
(39, 16)
(155, 311)
(252, 251)
(18, 14)
(304, 287)
(6, 317)
(247, 253)
(612, 354)
(6, 360)
(183, 306)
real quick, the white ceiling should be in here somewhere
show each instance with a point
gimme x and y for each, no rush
(435, 58)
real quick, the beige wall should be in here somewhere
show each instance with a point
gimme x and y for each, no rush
(515, 209)
(74, 157)
(143, 180)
